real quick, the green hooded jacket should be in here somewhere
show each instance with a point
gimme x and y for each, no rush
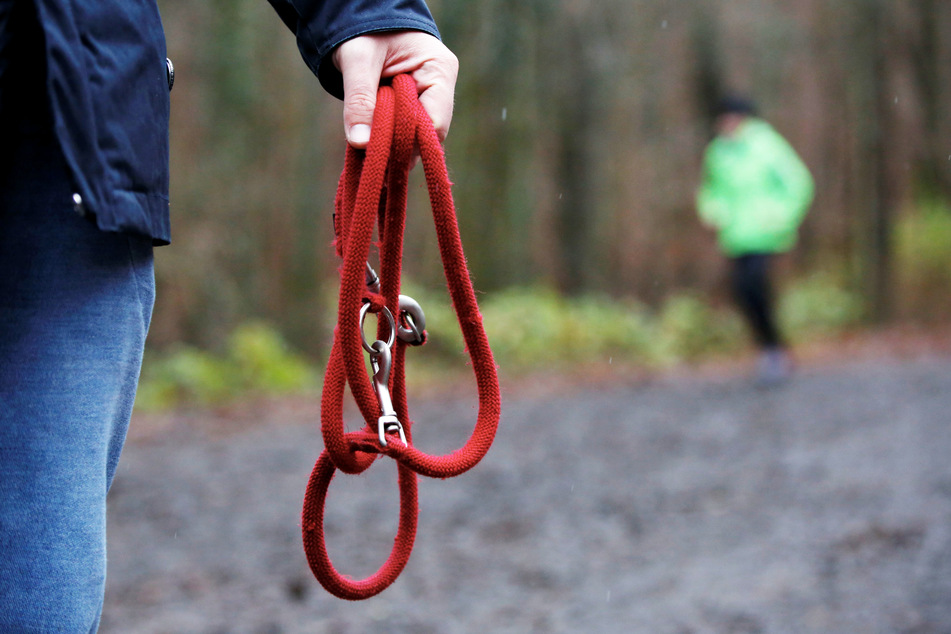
(755, 190)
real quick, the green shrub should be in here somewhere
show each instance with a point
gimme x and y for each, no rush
(923, 238)
(263, 362)
(530, 329)
(539, 328)
(689, 329)
(256, 363)
(923, 261)
(819, 304)
(184, 375)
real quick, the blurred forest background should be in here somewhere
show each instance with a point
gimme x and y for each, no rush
(575, 150)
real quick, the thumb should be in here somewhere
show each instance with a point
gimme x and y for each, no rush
(361, 67)
(358, 116)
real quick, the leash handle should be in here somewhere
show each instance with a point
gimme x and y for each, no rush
(372, 193)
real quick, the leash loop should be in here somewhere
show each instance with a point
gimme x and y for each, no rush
(371, 195)
(315, 545)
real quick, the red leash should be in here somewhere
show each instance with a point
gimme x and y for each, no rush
(372, 193)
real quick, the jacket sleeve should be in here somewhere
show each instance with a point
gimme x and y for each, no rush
(711, 207)
(795, 185)
(322, 25)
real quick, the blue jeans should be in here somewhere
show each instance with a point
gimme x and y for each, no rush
(75, 305)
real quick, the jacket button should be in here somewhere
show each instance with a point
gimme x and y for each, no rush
(170, 73)
(78, 205)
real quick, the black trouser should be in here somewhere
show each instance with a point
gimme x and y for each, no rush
(753, 293)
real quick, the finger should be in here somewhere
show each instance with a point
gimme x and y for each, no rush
(361, 65)
(437, 101)
(435, 85)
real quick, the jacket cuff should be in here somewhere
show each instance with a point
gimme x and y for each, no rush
(323, 25)
(327, 73)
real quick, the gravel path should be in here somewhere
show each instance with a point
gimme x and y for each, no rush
(680, 505)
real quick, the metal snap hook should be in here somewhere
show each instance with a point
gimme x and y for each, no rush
(381, 361)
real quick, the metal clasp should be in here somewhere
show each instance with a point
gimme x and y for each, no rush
(411, 313)
(372, 279)
(381, 360)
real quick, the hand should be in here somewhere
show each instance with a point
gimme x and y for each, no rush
(365, 60)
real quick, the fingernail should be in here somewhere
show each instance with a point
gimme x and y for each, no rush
(360, 134)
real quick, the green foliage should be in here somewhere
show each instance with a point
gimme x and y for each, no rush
(819, 304)
(923, 260)
(923, 239)
(263, 362)
(256, 363)
(540, 328)
(530, 329)
(690, 328)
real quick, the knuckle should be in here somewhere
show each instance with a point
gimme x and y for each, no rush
(452, 63)
(360, 102)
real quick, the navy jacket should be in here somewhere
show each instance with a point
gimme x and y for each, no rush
(109, 91)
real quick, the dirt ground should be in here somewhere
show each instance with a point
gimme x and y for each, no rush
(676, 505)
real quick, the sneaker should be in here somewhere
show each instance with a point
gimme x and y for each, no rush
(773, 368)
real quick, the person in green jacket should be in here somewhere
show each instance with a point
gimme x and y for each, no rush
(755, 191)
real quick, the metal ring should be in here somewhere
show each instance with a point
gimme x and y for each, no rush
(389, 319)
(412, 313)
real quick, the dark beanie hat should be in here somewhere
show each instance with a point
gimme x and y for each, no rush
(735, 104)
